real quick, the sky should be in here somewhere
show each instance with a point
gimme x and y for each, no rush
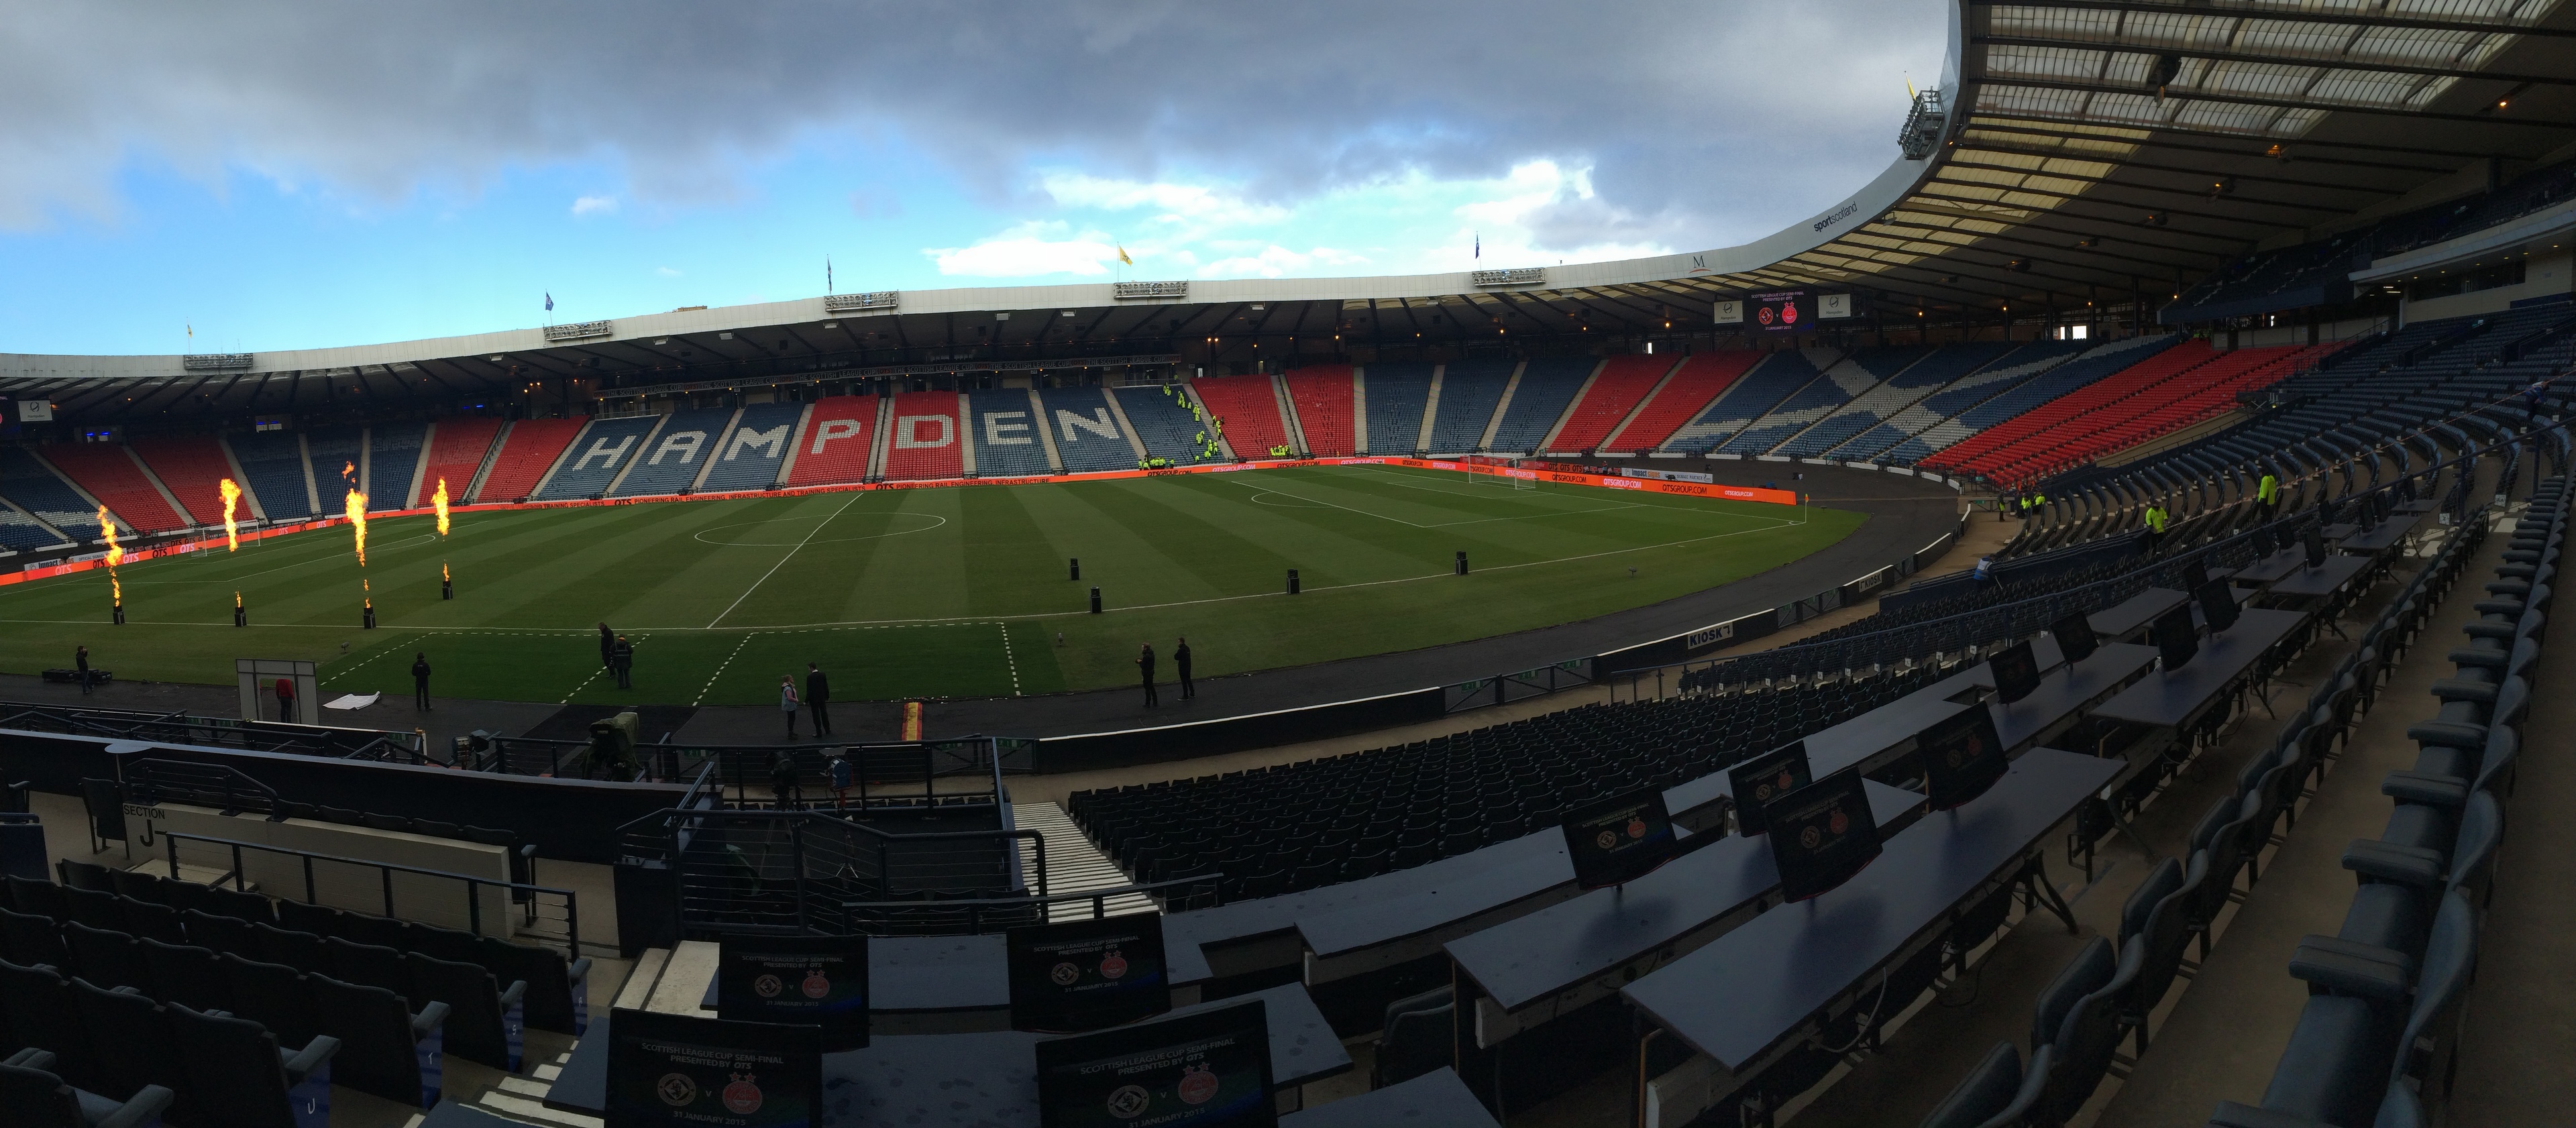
(258, 175)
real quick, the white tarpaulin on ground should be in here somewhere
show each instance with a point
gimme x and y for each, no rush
(352, 701)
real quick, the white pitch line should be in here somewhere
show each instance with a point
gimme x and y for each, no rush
(720, 669)
(782, 561)
(1438, 525)
(1013, 659)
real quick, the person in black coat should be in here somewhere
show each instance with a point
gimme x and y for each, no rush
(80, 662)
(818, 695)
(607, 648)
(621, 658)
(1181, 665)
(1145, 666)
(420, 679)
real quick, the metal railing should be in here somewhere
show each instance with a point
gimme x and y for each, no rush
(737, 870)
(214, 732)
(531, 897)
(150, 780)
(953, 917)
(909, 774)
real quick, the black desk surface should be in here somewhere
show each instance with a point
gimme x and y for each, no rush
(2338, 531)
(930, 973)
(1437, 1099)
(1530, 958)
(2419, 505)
(2064, 692)
(2383, 536)
(2128, 615)
(985, 1078)
(2171, 697)
(2323, 579)
(1535, 862)
(1740, 996)
(2273, 567)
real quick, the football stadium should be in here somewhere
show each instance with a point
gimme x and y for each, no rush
(2098, 567)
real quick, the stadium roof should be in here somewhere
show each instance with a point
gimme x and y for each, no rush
(2081, 151)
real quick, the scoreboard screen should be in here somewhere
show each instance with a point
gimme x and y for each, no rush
(1784, 311)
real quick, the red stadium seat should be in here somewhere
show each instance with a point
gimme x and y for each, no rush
(1250, 412)
(1322, 397)
(833, 447)
(1613, 394)
(194, 469)
(110, 474)
(456, 449)
(530, 449)
(1701, 378)
(923, 442)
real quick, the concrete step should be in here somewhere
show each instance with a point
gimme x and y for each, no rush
(1073, 864)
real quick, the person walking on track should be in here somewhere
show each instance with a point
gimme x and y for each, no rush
(80, 662)
(818, 697)
(787, 702)
(1145, 666)
(1181, 665)
(420, 679)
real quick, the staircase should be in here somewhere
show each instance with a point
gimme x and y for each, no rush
(1073, 865)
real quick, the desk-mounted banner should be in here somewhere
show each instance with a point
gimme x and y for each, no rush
(671, 1070)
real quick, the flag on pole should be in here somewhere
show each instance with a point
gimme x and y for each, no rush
(1122, 255)
(550, 301)
(192, 331)
(1480, 247)
(827, 274)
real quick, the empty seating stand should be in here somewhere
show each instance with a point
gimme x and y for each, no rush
(457, 445)
(1929, 373)
(601, 452)
(1250, 408)
(1394, 396)
(1932, 422)
(1749, 398)
(527, 452)
(1321, 396)
(754, 448)
(26, 482)
(838, 436)
(1624, 380)
(1701, 378)
(272, 464)
(393, 464)
(1835, 385)
(1469, 392)
(1547, 386)
(677, 452)
(1087, 435)
(110, 474)
(194, 470)
(1004, 429)
(1300, 826)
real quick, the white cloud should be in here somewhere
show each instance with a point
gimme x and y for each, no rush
(1192, 204)
(594, 205)
(1275, 261)
(666, 272)
(1027, 250)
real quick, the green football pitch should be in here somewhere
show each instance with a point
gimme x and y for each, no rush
(958, 592)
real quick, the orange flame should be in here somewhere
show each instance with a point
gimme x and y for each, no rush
(236, 601)
(115, 554)
(356, 508)
(232, 497)
(438, 501)
(442, 571)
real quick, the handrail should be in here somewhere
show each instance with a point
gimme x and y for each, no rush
(262, 736)
(141, 782)
(883, 837)
(473, 904)
(978, 908)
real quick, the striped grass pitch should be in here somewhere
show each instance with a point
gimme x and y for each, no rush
(918, 593)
